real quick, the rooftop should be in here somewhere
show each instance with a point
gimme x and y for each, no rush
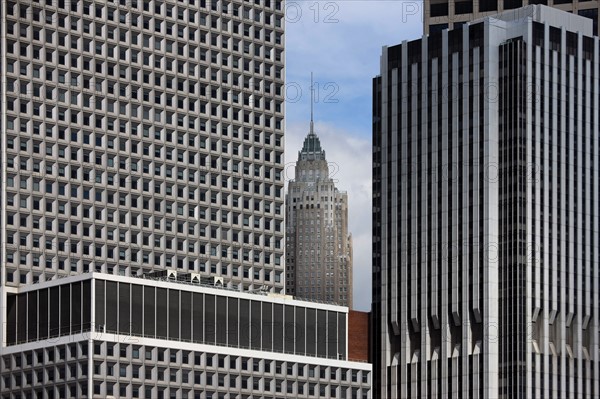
(311, 150)
(544, 14)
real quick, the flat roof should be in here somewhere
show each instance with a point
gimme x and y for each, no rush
(184, 286)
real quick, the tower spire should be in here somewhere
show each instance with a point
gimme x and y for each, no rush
(312, 101)
(312, 145)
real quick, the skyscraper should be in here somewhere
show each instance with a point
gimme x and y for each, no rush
(444, 14)
(319, 247)
(143, 136)
(141, 208)
(485, 215)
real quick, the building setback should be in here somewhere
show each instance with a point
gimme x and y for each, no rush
(318, 245)
(485, 215)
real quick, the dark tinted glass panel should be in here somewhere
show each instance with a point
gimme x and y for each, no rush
(65, 309)
(588, 48)
(288, 330)
(99, 294)
(32, 315)
(255, 325)
(311, 331)
(76, 307)
(244, 323)
(149, 312)
(488, 5)
(198, 317)
(321, 332)
(174, 314)
(137, 309)
(161, 312)
(342, 334)
(86, 314)
(232, 322)
(332, 334)
(124, 308)
(278, 327)
(112, 303)
(209, 324)
(438, 10)
(221, 329)
(437, 28)
(186, 315)
(300, 329)
(510, 4)
(22, 317)
(54, 311)
(464, 7)
(455, 40)
(555, 38)
(434, 46)
(267, 326)
(11, 325)
(43, 312)
(414, 51)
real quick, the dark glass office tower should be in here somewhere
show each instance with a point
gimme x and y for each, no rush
(485, 214)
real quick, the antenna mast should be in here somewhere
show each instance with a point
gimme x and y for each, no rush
(312, 101)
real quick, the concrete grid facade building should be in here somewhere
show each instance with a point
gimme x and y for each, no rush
(486, 176)
(142, 136)
(139, 137)
(449, 14)
(318, 245)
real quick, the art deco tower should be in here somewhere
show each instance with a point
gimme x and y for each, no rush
(319, 247)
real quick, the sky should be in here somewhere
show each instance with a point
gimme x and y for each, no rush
(340, 42)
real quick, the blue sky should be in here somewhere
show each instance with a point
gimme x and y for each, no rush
(340, 42)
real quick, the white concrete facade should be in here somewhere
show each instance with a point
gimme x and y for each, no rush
(141, 136)
(90, 361)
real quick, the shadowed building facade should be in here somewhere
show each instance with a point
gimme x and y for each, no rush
(485, 214)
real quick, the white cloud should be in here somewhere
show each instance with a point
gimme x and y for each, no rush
(350, 157)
